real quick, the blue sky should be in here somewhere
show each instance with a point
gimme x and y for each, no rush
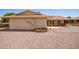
(53, 12)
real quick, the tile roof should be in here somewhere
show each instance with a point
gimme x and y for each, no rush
(76, 18)
(58, 18)
(28, 12)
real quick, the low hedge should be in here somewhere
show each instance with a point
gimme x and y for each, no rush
(40, 29)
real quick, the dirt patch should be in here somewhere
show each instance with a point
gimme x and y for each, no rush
(47, 40)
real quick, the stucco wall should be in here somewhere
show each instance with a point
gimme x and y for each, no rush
(41, 23)
(27, 24)
(20, 24)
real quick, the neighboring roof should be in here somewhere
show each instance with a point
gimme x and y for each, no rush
(31, 14)
(58, 18)
(76, 18)
(40, 16)
(33, 17)
(28, 13)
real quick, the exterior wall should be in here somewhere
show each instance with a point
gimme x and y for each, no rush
(27, 24)
(55, 22)
(21, 24)
(41, 23)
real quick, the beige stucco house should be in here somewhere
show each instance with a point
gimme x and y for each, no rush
(29, 20)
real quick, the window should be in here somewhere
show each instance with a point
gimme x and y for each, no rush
(77, 20)
(72, 21)
(5, 20)
(49, 22)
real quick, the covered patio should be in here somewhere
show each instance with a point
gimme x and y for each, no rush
(61, 21)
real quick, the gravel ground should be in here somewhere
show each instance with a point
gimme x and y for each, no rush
(62, 38)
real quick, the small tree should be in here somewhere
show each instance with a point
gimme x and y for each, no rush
(68, 17)
(7, 14)
(70, 21)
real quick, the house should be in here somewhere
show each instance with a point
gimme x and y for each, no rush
(0, 23)
(29, 20)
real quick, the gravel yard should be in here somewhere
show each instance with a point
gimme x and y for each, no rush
(65, 37)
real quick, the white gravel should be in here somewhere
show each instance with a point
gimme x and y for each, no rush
(55, 38)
